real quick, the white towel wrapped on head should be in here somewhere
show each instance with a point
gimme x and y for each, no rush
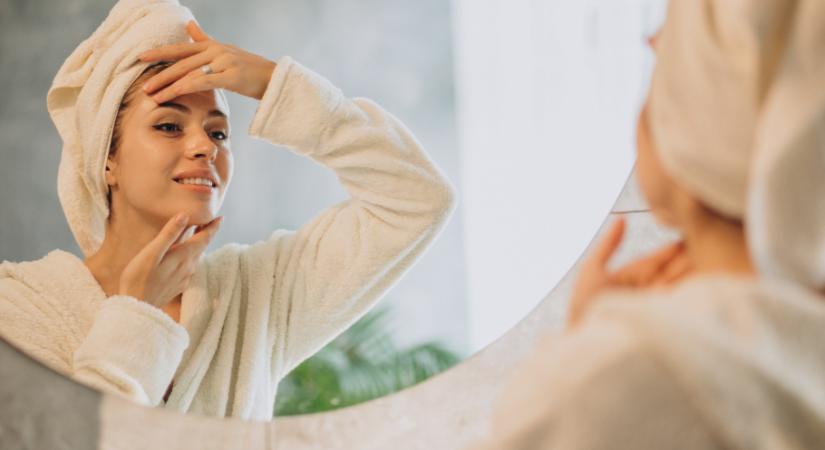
(737, 114)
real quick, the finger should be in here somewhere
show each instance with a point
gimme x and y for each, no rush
(677, 269)
(180, 87)
(671, 277)
(189, 84)
(636, 274)
(174, 51)
(640, 271)
(179, 238)
(177, 71)
(186, 234)
(201, 238)
(204, 225)
(578, 310)
(607, 247)
(170, 92)
(668, 252)
(193, 250)
(170, 232)
(659, 256)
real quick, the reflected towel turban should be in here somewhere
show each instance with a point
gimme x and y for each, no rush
(737, 115)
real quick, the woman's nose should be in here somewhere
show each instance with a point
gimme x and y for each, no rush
(202, 147)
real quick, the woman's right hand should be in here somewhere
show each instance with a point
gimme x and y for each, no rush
(163, 268)
(663, 267)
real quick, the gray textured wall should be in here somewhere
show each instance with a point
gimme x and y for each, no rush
(396, 52)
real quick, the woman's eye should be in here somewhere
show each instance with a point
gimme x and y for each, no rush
(173, 127)
(164, 127)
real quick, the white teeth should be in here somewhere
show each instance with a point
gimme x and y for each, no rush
(202, 181)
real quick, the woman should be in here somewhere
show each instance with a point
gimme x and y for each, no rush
(146, 314)
(714, 341)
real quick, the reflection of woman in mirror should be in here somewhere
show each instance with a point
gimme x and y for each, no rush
(147, 314)
(713, 341)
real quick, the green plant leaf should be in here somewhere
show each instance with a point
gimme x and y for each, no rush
(361, 364)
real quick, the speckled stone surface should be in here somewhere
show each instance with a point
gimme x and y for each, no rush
(41, 409)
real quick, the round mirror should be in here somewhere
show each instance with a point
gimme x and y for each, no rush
(528, 108)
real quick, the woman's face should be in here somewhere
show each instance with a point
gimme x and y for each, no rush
(187, 137)
(658, 188)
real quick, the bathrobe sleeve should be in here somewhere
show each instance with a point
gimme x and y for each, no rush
(130, 349)
(324, 276)
(596, 389)
(126, 347)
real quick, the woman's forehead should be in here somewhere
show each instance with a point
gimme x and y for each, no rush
(209, 103)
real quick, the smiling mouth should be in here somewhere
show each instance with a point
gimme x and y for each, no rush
(199, 189)
(198, 182)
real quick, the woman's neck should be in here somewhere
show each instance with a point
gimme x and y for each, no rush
(123, 240)
(716, 245)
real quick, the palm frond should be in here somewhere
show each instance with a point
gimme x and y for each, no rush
(362, 364)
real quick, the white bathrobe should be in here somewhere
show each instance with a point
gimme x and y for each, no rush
(252, 312)
(718, 362)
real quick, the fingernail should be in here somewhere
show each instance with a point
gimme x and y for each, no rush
(181, 219)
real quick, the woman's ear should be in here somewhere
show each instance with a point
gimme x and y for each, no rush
(111, 165)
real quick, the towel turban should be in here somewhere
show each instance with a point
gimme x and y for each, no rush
(84, 98)
(737, 114)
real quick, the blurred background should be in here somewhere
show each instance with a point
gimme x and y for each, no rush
(528, 106)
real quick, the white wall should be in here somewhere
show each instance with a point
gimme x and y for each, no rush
(547, 98)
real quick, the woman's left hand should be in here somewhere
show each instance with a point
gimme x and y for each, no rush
(233, 69)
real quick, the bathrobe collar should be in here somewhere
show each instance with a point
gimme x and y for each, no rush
(70, 276)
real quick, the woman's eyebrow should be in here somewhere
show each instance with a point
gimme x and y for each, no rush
(184, 108)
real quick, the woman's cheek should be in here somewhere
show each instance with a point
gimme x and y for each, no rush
(649, 173)
(224, 164)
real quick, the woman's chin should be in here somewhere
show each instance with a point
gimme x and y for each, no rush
(202, 220)
(198, 217)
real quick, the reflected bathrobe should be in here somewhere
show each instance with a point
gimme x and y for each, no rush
(718, 362)
(252, 312)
